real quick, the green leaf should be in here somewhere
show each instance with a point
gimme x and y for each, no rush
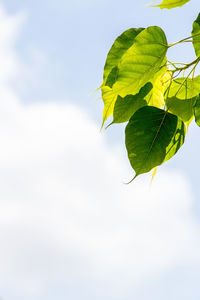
(112, 77)
(183, 108)
(138, 64)
(183, 88)
(109, 99)
(125, 107)
(171, 3)
(160, 82)
(197, 112)
(196, 39)
(182, 97)
(120, 46)
(141, 61)
(177, 140)
(152, 137)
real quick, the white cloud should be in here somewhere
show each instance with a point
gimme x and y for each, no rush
(65, 214)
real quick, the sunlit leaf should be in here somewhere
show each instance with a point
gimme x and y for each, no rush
(177, 140)
(197, 112)
(137, 66)
(152, 137)
(125, 107)
(196, 39)
(183, 108)
(120, 46)
(183, 88)
(160, 81)
(109, 99)
(153, 173)
(182, 97)
(171, 3)
(110, 80)
(141, 61)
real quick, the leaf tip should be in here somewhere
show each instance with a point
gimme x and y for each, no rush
(109, 125)
(153, 174)
(131, 180)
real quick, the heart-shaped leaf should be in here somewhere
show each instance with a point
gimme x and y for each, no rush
(152, 137)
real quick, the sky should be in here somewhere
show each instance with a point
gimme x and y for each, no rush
(69, 227)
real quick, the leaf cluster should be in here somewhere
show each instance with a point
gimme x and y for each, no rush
(158, 98)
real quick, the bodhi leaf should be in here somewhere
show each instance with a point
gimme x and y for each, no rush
(185, 88)
(110, 80)
(141, 61)
(177, 140)
(152, 137)
(125, 107)
(171, 3)
(183, 108)
(120, 46)
(182, 97)
(197, 112)
(160, 83)
(196, 37)
(109, 100)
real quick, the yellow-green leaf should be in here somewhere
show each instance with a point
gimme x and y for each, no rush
(197, 112)
(109, 99)
(171, 3)
(125, 107)
(196, 37)
(120, 46)
(185, 88)
(183, 108)
(160, 83)
(182, 97)
(141, 61)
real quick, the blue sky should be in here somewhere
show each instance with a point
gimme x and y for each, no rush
(70, 229)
